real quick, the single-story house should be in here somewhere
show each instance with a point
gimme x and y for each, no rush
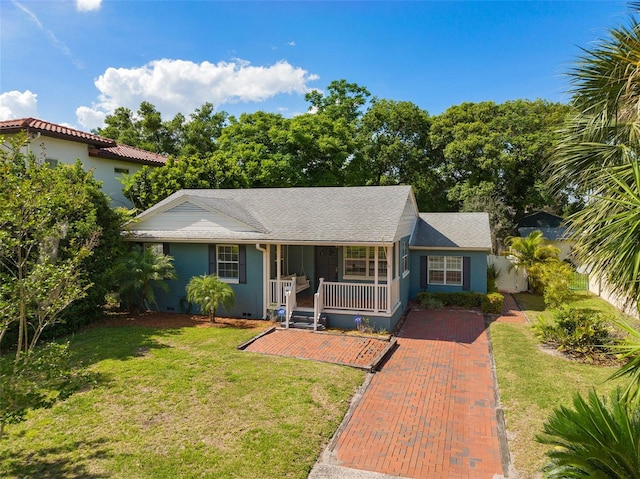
(553, 228)
(53, 144)
(338, 252)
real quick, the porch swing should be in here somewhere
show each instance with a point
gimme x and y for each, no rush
(302, 282)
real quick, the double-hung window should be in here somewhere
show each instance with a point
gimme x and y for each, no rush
(445, 270)
(405, 257)
(228, 262)
(360, 261)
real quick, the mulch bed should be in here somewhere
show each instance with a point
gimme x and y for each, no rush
(153, 319)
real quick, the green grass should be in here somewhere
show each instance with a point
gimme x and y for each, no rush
(533, 382)
(183, 403)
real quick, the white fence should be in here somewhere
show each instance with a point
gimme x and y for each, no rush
(514, 280)
(510, 278)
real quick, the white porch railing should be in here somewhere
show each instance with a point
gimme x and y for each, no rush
(277, 289)
(367, 297)
(375, 298)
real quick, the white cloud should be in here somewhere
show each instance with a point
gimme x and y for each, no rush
(174, 86)
(53, 39)
(88, 5)
(90, 118)
(291, 44)
(15, 104)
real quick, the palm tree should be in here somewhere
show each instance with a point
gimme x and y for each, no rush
(209, 291)
(531, 249)
(598, 156)
(140, 271)
(594, 439)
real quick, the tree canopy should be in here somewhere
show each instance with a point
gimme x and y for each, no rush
(473, 157)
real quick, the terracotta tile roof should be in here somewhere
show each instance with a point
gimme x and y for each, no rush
(33, 125)
(130, 154)
(99, 146)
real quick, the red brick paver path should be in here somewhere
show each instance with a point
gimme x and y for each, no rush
(431, 410)
(511, 312)
(353, 351)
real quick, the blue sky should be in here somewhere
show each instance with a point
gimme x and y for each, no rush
(73, 62)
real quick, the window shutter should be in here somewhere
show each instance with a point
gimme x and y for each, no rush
(242, 263)
(212, 259)
(466, 273)
(166, 250)
(423, 272)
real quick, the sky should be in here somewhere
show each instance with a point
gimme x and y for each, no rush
(73, 62)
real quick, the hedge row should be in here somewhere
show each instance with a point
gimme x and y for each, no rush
(489, 303)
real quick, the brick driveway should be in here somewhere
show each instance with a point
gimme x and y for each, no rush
(430, 412)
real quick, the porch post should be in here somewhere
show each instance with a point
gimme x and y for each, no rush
(376, 296)
(278, 260)
(265, 278)
(389, 250)
(278, 274)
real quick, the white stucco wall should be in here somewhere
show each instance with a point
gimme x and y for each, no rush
(68, 152)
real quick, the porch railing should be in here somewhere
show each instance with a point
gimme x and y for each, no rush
(277, 289)
(373, 298)
(361, 296)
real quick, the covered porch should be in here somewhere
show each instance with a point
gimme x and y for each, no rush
(320, 280)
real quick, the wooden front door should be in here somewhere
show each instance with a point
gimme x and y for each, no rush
(326, 263)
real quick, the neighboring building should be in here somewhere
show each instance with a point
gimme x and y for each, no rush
(342, 251)
(553, 228)
(53, 144)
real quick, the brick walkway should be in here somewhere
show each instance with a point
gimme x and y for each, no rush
(511, 312)
(352, 351)
(431, 410)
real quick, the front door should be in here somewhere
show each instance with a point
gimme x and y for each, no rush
(326, 263)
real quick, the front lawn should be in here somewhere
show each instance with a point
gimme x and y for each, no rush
(533, 382)
(183, 402)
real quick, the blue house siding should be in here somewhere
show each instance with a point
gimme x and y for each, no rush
(189, 260)
(193, 260)
(477, 273)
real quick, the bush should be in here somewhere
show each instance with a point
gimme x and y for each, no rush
(427, 301)
(555, 277)
(493, 274)
(492, 303)
(464, 299)
(578, 332)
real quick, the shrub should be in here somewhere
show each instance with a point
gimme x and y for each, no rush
(427, 301)
(555, 277)
(492, 303)
(493, 274)
(464, 299)
(578, 332)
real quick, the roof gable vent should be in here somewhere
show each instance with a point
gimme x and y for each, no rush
(188, 207)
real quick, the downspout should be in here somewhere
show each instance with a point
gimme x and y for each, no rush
(265, 280)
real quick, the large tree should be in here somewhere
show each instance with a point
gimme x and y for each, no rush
(497, 153)
(180, 136)
(48, 231)
(343, 100)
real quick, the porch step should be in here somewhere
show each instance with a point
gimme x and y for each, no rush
(305, 322)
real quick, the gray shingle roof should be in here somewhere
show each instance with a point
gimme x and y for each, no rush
(453, 230)
(553, 234)
(318, 215)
